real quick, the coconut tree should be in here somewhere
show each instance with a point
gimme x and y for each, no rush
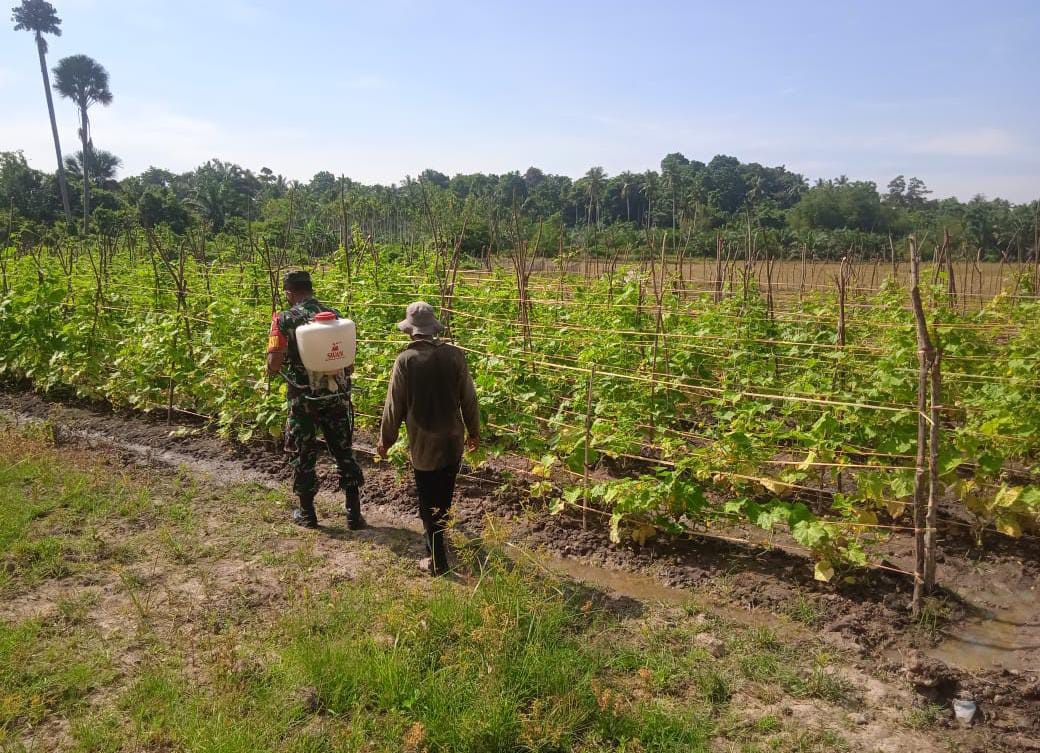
(39, 17)
(628, 182)
(83, 80)
(648, 188)
(594, 178)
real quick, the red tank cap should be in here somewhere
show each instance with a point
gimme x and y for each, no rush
(325, 316)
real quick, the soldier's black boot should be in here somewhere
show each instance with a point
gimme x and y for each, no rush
(305, 515)
(352, 507)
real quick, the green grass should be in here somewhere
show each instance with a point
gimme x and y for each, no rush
(926, 716)
(509, 660)
(43, 672)
(49, 515)
(514, 666)
(805, 610)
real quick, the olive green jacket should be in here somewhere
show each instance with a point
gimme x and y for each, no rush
(432, 393)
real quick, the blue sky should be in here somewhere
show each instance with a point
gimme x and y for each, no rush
(378, 90)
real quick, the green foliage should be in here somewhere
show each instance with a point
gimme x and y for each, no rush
(741, 417)
(834, 205)
(596, 213)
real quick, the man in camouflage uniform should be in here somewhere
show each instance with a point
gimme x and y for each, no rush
(309, 409)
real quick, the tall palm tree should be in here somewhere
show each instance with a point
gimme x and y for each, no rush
(102, 166)
(593, 190)
(39, 17)
(648, 188)
(626, 188)
(83, 80)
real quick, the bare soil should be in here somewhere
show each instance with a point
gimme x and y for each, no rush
(982, 638)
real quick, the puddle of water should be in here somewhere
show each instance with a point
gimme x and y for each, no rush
(648, 589)
(1005, 636)
(634, 586)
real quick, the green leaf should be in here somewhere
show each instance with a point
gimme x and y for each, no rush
(573, 494)
(809, 533)
(1030, 497)
(990, 463)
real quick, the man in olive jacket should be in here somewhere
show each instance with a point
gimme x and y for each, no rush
(432, 393)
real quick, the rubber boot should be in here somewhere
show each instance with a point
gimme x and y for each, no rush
(305, 515)
(352, 507)
(437, 562)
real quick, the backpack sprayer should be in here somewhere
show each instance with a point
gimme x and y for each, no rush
(327, 346)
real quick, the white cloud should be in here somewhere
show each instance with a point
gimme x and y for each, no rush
(975, 142)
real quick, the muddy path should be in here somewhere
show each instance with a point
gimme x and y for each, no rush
(982, 640)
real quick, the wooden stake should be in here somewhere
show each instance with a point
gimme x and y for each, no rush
(935, 408)
(718, 267)
(924, 358)
(588, 441)
(801, 281)
(844, 273)
(951, 281)
(843, 281)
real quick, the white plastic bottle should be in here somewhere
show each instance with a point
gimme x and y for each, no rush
(327, 346)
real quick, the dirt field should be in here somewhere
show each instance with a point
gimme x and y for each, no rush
(865, 677)
(976, 283)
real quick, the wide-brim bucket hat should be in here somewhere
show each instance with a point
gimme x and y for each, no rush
(419, 319)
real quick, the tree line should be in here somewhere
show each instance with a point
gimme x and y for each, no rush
(687, 201)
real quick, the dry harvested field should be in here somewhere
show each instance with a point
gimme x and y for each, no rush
(976, 282)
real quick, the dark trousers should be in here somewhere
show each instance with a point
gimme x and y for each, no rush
(335, 419)
(436, 489)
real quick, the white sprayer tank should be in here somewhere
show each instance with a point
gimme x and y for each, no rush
(327, 345)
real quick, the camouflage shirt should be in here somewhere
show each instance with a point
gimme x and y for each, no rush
(283, 337)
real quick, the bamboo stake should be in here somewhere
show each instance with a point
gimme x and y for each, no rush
(1036, 250)
(718, 267)
(951, 282)
(924, 357)
(933, 469)
(588, 441)
(844, 272)
(843, 281)
(801, 281)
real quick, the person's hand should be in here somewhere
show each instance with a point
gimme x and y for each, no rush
(381, 450)
(472, 444)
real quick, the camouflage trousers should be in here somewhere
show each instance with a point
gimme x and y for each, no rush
(335, 418)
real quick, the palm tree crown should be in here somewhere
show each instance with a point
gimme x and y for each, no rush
(102, 165)
(83, 80)
(37, 16)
